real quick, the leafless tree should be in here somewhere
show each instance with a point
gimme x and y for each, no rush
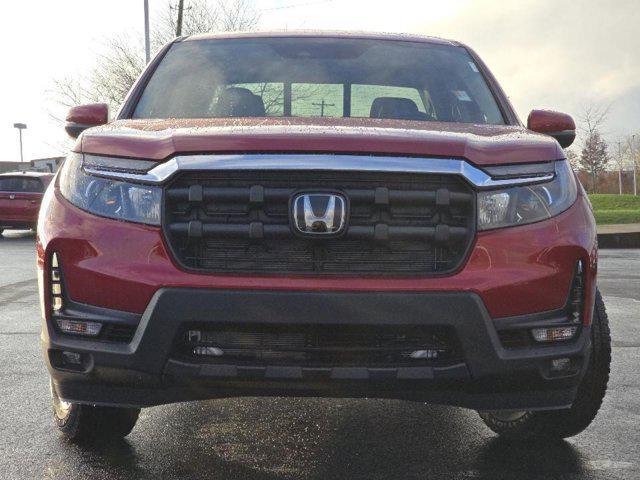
(200, 16)
(632, 145)
(123, 58)
(70, 91)
(573, 157)
(237, 15)
(620, 160)
(593, 118)
(273, 98)
(594, 157)
(117, 69)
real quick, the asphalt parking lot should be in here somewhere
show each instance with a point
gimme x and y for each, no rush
(253, 438)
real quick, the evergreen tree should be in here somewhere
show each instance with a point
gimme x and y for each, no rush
(594, 157)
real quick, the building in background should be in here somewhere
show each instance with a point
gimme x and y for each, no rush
(50, 164)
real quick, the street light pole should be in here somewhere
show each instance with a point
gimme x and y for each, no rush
(20, 127)
(147, 43)
(619, 169)
(634, 162)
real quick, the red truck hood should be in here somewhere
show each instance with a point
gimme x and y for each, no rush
(161, 139)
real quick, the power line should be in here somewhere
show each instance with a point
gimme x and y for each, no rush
(322, 105)
(179, 24)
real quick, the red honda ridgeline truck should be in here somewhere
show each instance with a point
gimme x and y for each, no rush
(321, 215)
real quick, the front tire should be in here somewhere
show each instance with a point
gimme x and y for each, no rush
(92, 424)
(527, 425)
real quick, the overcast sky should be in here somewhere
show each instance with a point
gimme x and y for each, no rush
(558, 54)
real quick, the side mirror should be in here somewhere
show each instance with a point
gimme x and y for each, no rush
(86, 116)
(558, 125)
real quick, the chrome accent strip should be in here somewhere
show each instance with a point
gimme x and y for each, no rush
(477, 177)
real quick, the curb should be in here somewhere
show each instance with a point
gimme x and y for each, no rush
(619, 240)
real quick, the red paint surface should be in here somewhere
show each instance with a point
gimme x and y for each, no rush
(90, 114)
(22, 207)
(19, 207)
(548, 121)
(161, 139)
(515, 271)
(121, 265)
(401, 37)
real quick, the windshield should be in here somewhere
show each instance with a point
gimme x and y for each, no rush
(312, 77)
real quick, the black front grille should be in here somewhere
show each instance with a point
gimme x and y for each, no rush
(398, 223)
(319, 345)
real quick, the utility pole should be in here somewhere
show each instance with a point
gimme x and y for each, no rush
(20, 127)
(179, 24)
(634, 161)
(147, 42)
(619, 169)
(322, 105)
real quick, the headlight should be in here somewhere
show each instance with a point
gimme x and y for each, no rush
(107, 197)
(528, 204)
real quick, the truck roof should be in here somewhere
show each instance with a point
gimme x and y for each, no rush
(403, 37)
(26, 174)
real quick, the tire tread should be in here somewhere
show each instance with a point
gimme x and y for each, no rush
(591, 391)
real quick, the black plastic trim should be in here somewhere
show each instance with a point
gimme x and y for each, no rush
(521, 170)
(144, 373)
(565, 138)
(75, 129)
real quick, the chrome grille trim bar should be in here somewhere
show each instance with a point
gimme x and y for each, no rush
(446, 166)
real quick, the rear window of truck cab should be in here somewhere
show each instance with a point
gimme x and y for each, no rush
(318, 77)
(21, 185)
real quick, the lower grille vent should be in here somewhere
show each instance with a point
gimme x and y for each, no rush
(319, 345)
(120, 333)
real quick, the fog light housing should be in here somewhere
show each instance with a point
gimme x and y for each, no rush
(79, 327)
(70, 361)
(560, 364)
(561, 367)
(554, 334)
(71, 358)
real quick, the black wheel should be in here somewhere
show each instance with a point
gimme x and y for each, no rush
(92, 424)
(525, 425)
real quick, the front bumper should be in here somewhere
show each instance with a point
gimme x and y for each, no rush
(21, 224)
(147, 372)
(121, 265)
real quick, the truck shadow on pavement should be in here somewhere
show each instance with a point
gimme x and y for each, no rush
(317, 438)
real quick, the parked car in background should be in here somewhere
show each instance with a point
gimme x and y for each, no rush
(20, 197)
(326, 215)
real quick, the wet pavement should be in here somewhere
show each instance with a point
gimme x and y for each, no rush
(276, 438)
